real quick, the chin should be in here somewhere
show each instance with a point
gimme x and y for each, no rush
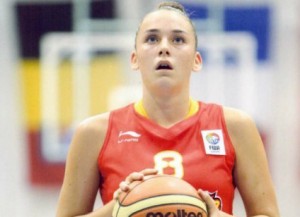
(166, 85)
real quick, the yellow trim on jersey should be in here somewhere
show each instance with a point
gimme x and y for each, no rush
(139, 108)
(193, 108)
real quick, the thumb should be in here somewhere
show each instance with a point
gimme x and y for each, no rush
(210, 203)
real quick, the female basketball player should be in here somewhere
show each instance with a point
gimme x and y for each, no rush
(212, 147)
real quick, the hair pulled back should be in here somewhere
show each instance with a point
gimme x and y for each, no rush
(177, 7)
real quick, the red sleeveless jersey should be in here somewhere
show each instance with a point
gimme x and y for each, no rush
(197, 149)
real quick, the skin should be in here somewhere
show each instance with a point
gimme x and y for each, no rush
(166, 36)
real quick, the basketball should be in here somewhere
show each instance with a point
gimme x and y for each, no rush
(160, 196)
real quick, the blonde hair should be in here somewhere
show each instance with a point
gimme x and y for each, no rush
(177, 7)
(172, 6)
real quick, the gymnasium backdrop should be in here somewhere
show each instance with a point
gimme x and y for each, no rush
(35, 20)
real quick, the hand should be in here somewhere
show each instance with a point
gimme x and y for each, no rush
(135, 176)
(212, 210)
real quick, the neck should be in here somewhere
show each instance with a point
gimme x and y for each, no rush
(168, 111)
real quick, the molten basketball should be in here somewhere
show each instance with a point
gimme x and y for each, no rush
(160, 196)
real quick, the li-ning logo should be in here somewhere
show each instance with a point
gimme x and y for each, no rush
(179, 213)
(128, 136)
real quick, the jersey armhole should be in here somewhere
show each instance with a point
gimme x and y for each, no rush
(105, 141)
(226, 132)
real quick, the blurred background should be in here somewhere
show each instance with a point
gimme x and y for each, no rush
(62, 61)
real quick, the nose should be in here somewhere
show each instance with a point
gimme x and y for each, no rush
(164, 48)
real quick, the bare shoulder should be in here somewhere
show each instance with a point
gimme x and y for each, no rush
(95, 124)
(91, 132)
(235, 117)
(240, 125)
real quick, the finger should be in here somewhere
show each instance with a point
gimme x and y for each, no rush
(208, 200)
(117, 194)
(135, 176)
(149, 171)
(138, 176)
(124, 186)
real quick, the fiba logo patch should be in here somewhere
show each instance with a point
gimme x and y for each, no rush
(212, 138)
(213, 142)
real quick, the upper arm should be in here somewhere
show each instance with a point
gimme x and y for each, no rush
(251, 172)
(81, 180)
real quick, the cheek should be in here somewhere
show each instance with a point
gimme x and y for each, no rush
(145, 57)
(143, 61)
(187, 60)
(187, 65)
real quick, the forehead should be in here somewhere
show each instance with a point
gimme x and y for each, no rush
(165, 19)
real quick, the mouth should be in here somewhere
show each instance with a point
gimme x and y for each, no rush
(164, 66)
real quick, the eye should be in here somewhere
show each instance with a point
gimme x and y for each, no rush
(178, 40)
(151, 39)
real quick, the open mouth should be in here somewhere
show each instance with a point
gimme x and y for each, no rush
(165, 66)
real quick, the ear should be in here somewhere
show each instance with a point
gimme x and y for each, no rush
(198, 62)
(134, 61)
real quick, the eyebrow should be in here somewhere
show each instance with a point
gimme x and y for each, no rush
(157, 30)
